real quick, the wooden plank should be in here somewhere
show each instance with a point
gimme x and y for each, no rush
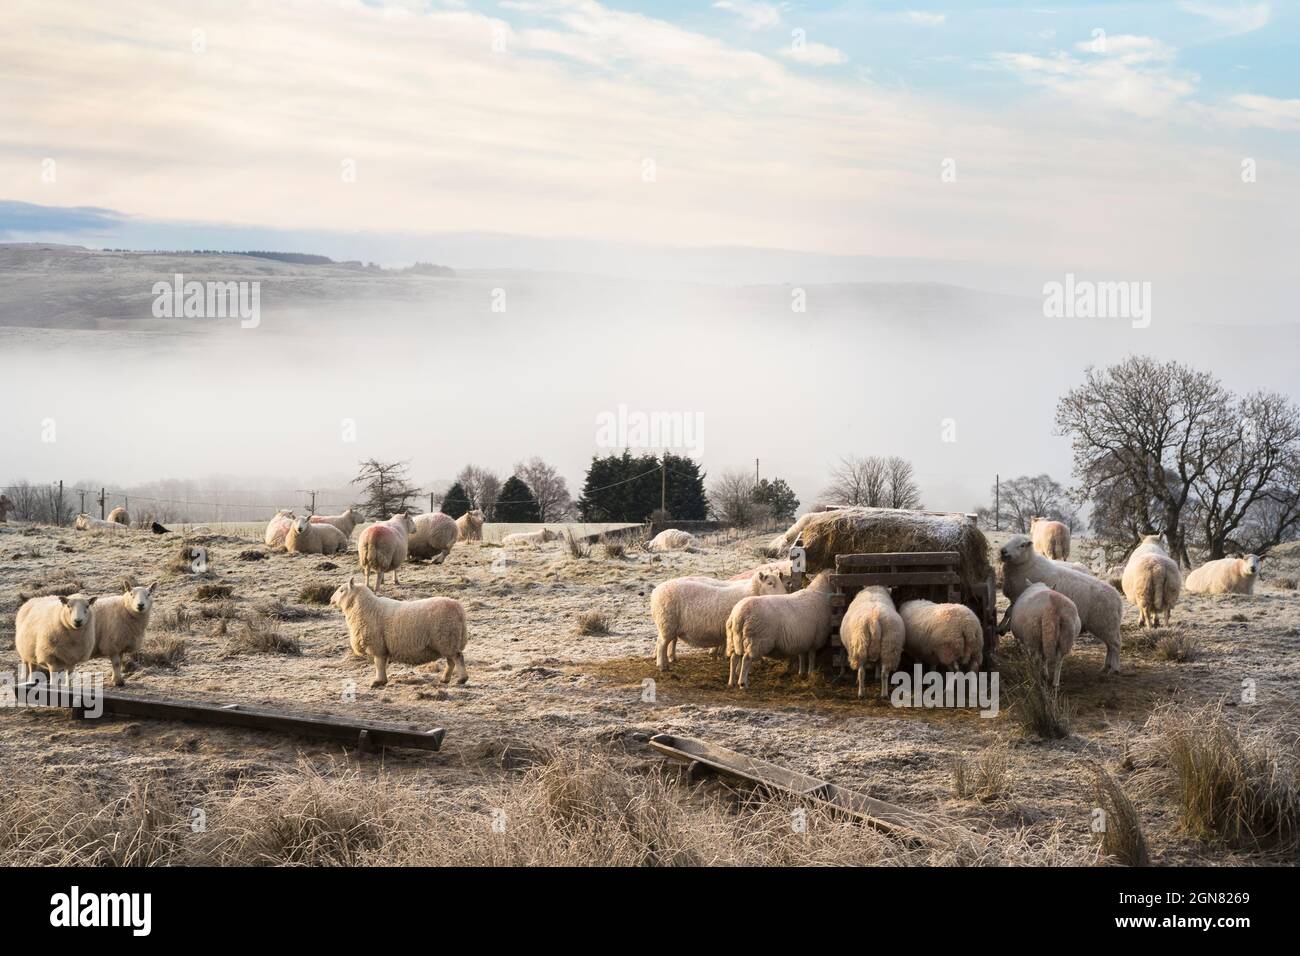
(891, 579)
(849, 562)
(353, 731)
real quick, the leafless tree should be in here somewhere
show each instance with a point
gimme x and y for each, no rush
(731, 500)
(482, 487)
(1022, 499)
(873, 482)
(548, 487)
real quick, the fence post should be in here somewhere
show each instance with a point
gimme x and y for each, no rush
(58, 516)
(101, 504)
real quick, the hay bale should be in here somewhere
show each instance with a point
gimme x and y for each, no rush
(880, 530)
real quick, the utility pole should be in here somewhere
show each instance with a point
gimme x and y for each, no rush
(58, 518)
(431, 502)
(83, 502)
(756, 471)
(101, 503)
(997, 502)
(663, 484)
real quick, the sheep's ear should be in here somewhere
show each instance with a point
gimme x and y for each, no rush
(352, 581)
(152, 587)
(63, 599)
(93, 600)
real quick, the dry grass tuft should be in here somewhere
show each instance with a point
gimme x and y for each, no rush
(576, 548)
(213, 592)
(1121, 833)
(253, 554)
(612, 548)
(54, 582)
(1286, 584)
(985, 776)
(158, 651)
(282, 610)
(592, 624)
(176, 620)
(1177, 644)
(1036, 706)
(316, 593)
(262, 635)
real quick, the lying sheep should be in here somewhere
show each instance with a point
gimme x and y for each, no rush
(408, 632)
(344, 522)
(1100, 606)
(790, 625)
(1152, 580)
(119, 516)
(383, 547)
(307, 538)
(542, 536)
(942, 636)
(872, 632)
(1046, 623)
(670, 539)
(1225, 576)
(86, 522)
(54, 632)
(120, 622)
(278, 528)
(784, 541)
(695, 610)
(469, 526)
(1051, 538)
(435, 533)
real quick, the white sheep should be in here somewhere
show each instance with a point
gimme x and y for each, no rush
(435, 533)
(307, 538)
(55, 632)
(695, 610)
(1225, 576)
(670, 539)
(469, 526)
(344, 522)
(942, 636)
(86, 522)
(384, 546)
(542, 536)
(1100, 607)
(1051, 538)
(120, 622)
(790, 625)
(1046, 624)
(1077, 566)
(784, 541)
(872, 632)
(119, 516)
(1152, 580)
(278, 528)
(407, 632)
(783, 568)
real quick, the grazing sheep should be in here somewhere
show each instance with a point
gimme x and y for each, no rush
(872, 632)
(5, 505)
(383, 547)
(543, 536)
(435, 533)
(943, 636)
(695, 610)
(1046, 623)
(119, 516)
(1100, 606)
(87, 522)
(55, 632)
(1225, 576)
(344, 522)
(670, 539)
(1152, 580)
(792, 625)
(120, 622)
(783, 568)
(408, 632)
(307, 538)
(1051, 538)
(278, 528)
(469, 526)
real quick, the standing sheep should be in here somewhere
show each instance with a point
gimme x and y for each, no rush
(695, 610)
(408, 632)
(1152, 580)
(278, 528)
(120, 623)
(670, 539)
(55, 632)
(119, 516)
(307, 538)
(872, 632)
(1225, 576)
(469, 526)
(1046, 623)
(942, 636)
(1051, 538)
(792, 625)
(435, 533)
(383, 547)
(1100, 607)
(344, 522)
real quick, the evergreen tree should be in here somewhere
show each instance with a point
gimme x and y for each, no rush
(626, 488)
(386, 488)
(455, 502)
(516, 505)
(778, 496)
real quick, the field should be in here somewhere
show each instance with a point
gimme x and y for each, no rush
(545, 758)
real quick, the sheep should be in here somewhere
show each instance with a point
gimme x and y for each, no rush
(5, 505)
(408, 632)
(1225, 576)
(784, 541)
(344, 522)
(1051, 538)
(695, 610)
(119, 516)
(120, 622)
(1046, 623)
(469, 526)
(87, 522)
(307, 538)
(943, 636)
(1100, 606)
(543, 536)
(277, 528)
(872, 632)
(1077, 566)
(792, 625)
(783, 568)
(435, 533)
(670, 539)
(383, 547)
(1152, 580)
(55, 632)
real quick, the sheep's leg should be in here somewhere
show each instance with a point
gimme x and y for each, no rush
(812, 664)
(884, 682)
(118, 679)
(661, 654)
(715, 653)
(672, 650)
(862, 680)
(731, 670)
(462, 675)
(1056, 678)
(744, 672)
(381, 671)
(1112, 658)
(395, 581)
(22, 672)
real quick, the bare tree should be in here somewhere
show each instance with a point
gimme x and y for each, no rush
(482, 487)
(873, 482)
(731, 499)
(548, 487)
(900, 484)
(386, 487)
(1020, 500)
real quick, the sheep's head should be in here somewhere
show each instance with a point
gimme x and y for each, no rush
(1017, 550)
(349, 515)
(300, 525)
(341, 593)
(284, 513)
(403, 520)
(769, 582)
(82, 522)
(137, 599)
(76, 610)
(1158, 540)
(1250, 565)
(475, 516)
